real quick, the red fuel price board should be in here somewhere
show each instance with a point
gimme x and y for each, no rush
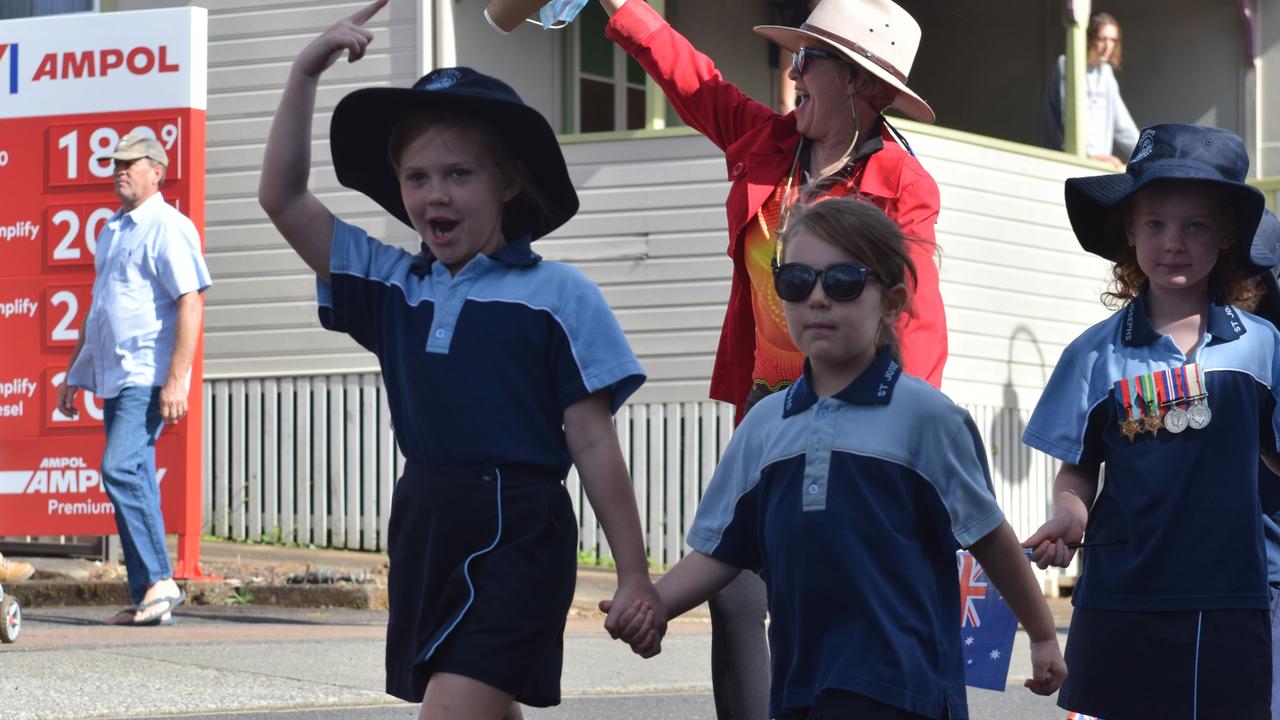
(70, 87)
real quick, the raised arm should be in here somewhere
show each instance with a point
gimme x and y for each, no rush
(706, 101)
(286, 165)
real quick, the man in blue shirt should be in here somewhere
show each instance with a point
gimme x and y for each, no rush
(135, 352)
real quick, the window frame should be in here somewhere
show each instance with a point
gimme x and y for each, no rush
(655, 103)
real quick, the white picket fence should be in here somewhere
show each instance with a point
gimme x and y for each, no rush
(312, 460)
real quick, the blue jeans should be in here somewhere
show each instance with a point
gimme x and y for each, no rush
(133, 424)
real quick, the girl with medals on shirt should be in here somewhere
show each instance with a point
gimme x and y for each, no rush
(501, 370)
(850, 493)
(1175, 393)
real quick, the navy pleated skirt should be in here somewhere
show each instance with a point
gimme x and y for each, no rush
(483, 565)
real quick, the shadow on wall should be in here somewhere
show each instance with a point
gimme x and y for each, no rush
(1011, 458)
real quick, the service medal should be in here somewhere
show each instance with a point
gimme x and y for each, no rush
(1199, 415)
(1129, 426)
(1176, 420)
(1151, 423)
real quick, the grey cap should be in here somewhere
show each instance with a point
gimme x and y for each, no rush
(137, 145)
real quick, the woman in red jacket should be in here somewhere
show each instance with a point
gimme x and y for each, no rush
(850, 62)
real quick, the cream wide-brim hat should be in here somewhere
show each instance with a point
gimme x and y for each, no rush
(876, 34)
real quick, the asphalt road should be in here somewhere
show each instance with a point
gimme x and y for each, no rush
(254, 663)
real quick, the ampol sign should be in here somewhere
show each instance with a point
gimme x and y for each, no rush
(70, 87)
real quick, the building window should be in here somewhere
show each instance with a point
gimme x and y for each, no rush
(609, 83)
(31, 8)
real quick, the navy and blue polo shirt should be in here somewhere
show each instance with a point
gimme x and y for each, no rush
(479, 367)
(852, 507)
(1185, 505)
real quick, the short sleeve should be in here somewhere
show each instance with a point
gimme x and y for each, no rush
(725, 526)
(963, 481)
(179, 264)
(1060, 422)
(591, 353)
(361, 272)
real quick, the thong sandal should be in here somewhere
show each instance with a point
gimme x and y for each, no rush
(166, 606)
(124, 617)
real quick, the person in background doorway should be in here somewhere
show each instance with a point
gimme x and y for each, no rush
(1110, 130)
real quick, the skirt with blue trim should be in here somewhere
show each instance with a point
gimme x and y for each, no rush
(483, 565)
(1185, 665)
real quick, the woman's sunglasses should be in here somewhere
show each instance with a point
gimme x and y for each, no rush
(794, 282)
(800, 58)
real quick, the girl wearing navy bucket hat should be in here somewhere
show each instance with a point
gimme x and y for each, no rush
(501, 370)
(1176, 395)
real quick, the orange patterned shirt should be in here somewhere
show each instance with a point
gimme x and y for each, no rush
(777, 361)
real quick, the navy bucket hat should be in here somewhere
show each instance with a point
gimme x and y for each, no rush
(363, 120)
(1166, 152)
(1266, 254)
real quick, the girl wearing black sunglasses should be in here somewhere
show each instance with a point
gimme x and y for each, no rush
(850, 492)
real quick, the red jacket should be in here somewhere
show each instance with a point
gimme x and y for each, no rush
(759, 145)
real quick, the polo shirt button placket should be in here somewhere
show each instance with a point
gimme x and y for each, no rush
(737, 171)
(440, 333)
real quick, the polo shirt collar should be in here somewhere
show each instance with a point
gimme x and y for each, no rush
(516, 253)
(874, 386)
(1136, 330)
(147, 210)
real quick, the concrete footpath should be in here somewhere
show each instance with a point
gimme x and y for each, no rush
(270, 575)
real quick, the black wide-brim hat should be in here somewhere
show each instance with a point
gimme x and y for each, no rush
(1166, 152)
(1266, 254)
(363, 120)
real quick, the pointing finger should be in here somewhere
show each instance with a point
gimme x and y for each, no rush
(362, 15)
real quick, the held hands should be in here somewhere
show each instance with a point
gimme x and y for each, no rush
(1048, 669)
(1049, 544)
(348, 34)
(637, 628)
(637, 616)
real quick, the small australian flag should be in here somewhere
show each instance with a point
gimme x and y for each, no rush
(987, 627)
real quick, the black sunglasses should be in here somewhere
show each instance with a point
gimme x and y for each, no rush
(800, 58)
(842, 282)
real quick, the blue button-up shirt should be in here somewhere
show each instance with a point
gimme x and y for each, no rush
(145, 260)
